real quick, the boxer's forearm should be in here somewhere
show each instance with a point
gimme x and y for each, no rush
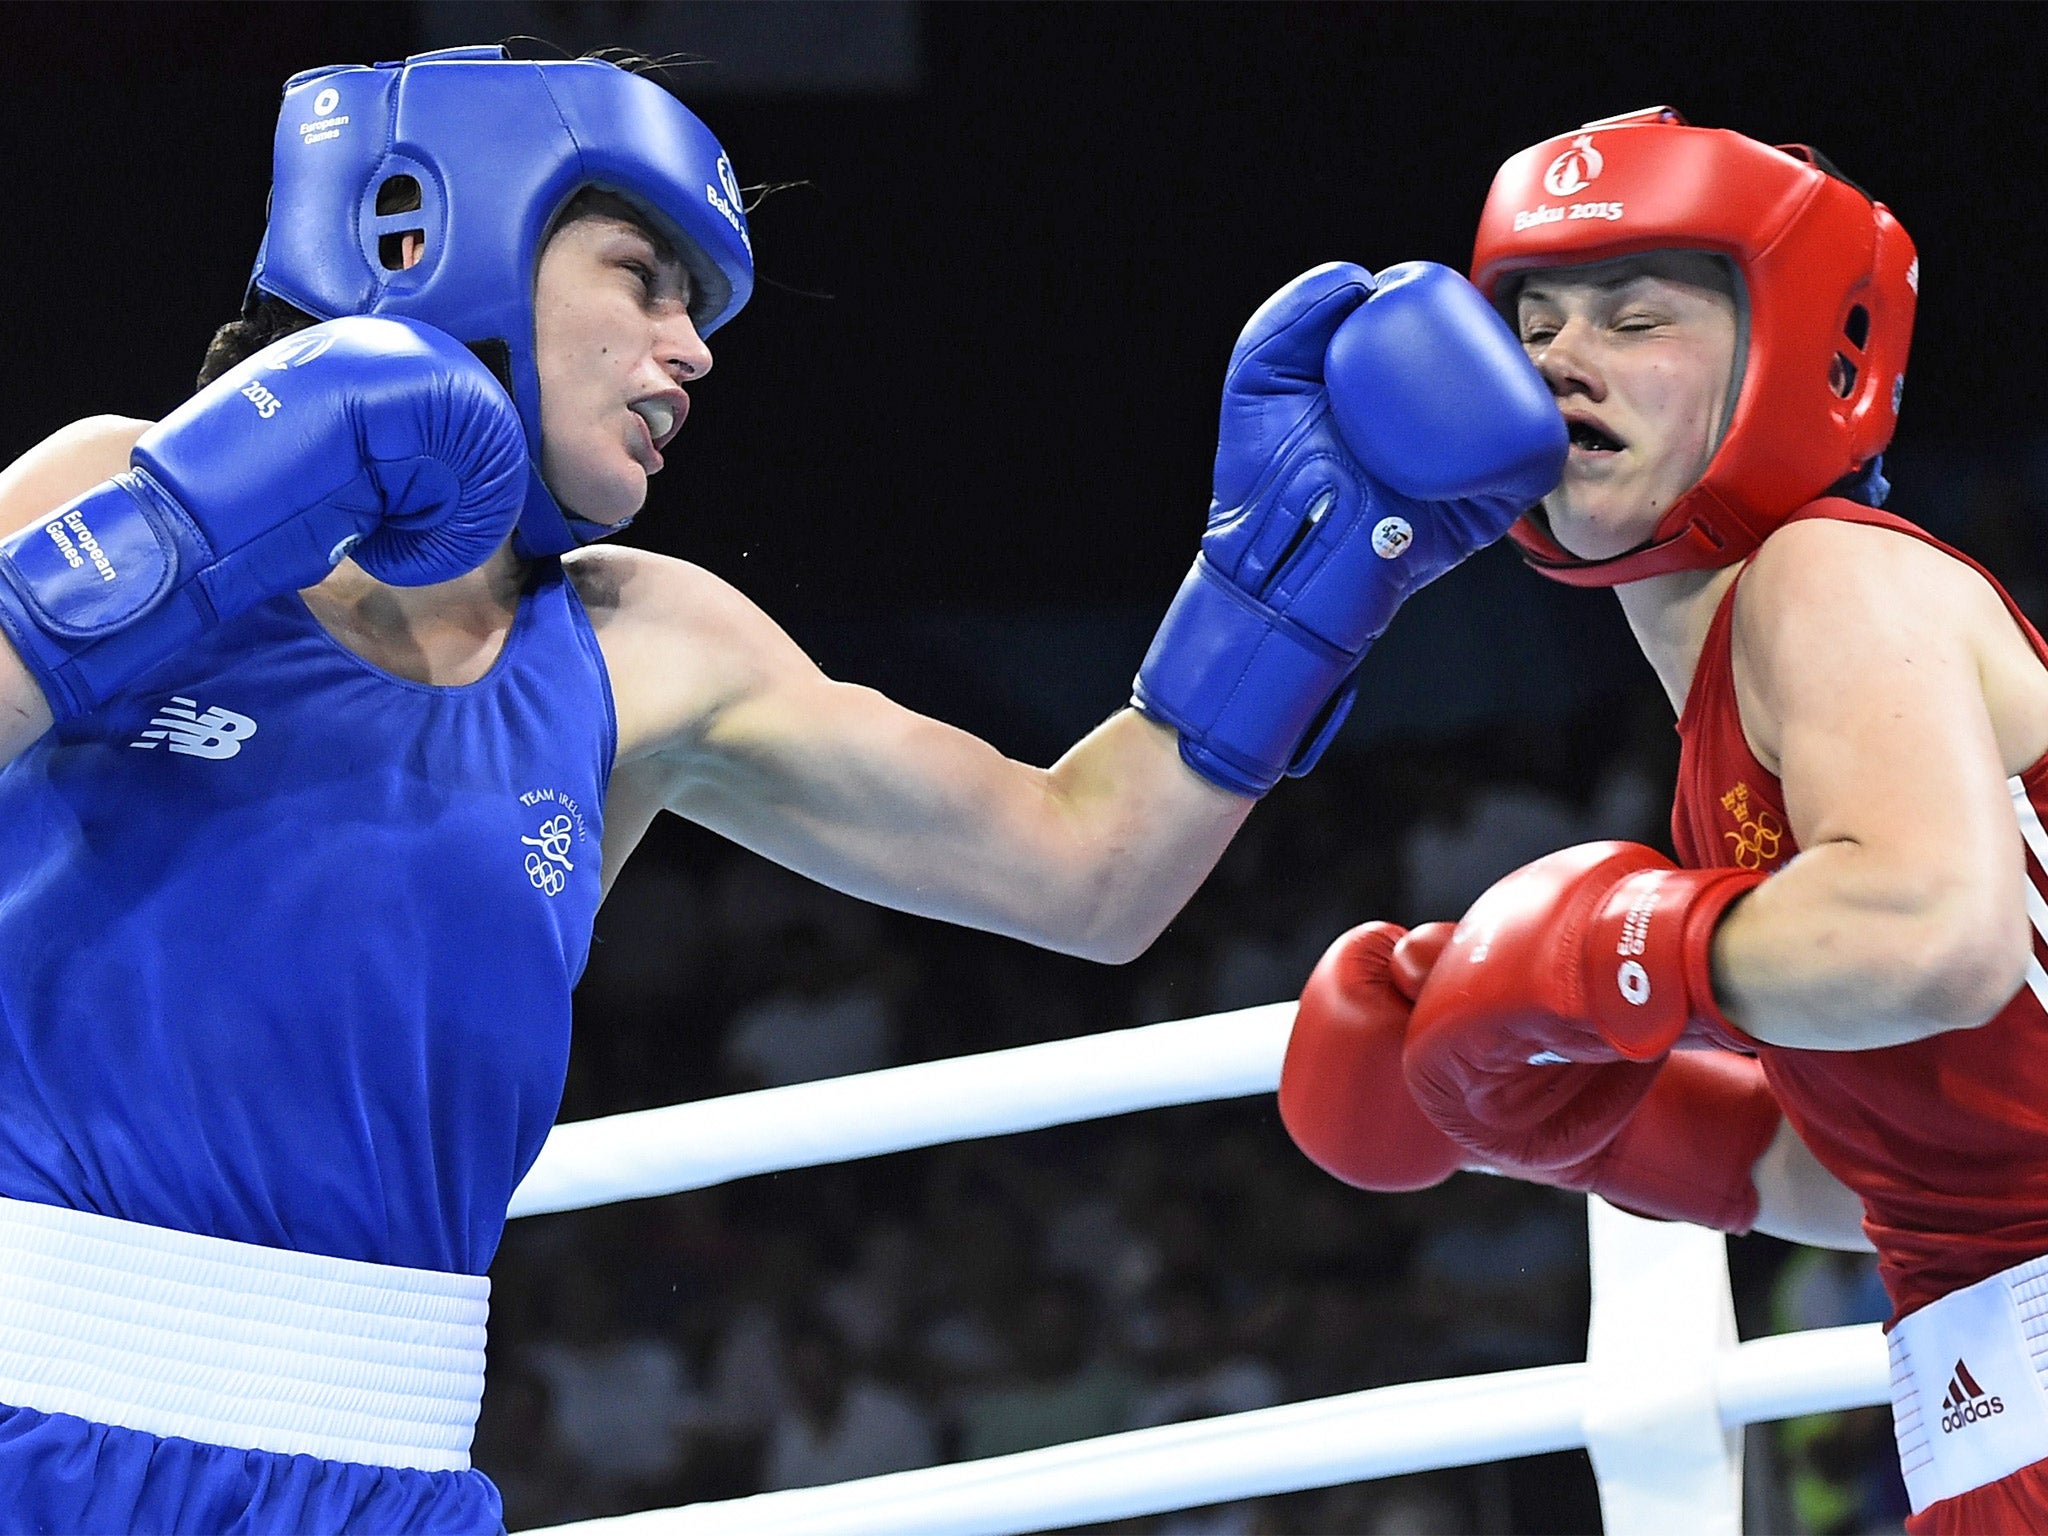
(24, 714)
(1091, 857)
(1145, 829)
(1840, 951)
(63, 465)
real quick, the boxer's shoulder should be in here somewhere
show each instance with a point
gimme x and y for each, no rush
(679, 642)
(1836, 619)
(1821, 589)
(1824, 586)
(65, 464)
(639, 596)
(1822, 554)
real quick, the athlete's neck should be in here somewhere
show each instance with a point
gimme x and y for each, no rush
(1670, 616)
(447, 634)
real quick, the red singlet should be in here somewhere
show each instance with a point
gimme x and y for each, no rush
(1945, 1139)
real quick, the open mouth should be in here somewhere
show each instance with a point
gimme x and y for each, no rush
(1594, 440)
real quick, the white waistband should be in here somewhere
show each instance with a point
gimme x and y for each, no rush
(233, 1344)
(1969, 1402)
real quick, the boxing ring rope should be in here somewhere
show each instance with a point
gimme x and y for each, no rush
(689, 1146)
(1659, 1402)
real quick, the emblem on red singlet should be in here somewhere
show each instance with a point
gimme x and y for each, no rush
(1758, 835)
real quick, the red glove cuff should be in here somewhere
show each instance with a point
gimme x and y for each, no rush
(1648, 962)
(1708, 1022)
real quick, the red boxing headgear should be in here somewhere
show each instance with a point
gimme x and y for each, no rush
(1829, 278)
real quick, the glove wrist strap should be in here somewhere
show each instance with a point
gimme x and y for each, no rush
(1241, 682)
(1648, 962)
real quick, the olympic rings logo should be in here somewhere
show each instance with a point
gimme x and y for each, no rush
(1755, 843)
(548, 868)
(544, 875)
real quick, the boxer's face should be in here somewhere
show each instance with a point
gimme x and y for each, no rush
(613, 343)
(1641, 356)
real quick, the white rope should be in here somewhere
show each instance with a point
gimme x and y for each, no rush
(689, 1146)
(1381, 1433)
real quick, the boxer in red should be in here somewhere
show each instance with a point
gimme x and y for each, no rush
(1832, 1012)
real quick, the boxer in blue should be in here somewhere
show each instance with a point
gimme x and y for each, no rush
(324, 730)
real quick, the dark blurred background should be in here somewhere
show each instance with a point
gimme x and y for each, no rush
(959, 445)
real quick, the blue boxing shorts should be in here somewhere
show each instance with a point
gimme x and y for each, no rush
(63, 1476)
(161, 1381)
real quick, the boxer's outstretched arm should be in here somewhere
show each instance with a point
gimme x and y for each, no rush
(723, 720)
(1374, 432)
(1888, 688)
(68, 463)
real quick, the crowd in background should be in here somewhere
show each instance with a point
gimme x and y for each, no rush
(994, 1296)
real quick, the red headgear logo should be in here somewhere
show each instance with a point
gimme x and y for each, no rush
(1575, 169)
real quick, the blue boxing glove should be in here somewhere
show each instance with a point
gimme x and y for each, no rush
(1375, 432)
(383, 438)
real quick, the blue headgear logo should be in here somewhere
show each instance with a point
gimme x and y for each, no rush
(725, 197)
(295, 351)
(494, 149)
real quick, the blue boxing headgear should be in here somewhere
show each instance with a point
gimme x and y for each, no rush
(497, 147)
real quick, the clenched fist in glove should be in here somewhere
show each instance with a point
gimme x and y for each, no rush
(1375, 431)
(374, 435)
(1680, 1138)
(1589, 964)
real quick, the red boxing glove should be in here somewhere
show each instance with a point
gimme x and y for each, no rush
(1686, 1153)
(1689, 1151)
(1590, 963)
(1342, 1096)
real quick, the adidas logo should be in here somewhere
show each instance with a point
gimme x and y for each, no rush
(179, 726)
(1966, 1402)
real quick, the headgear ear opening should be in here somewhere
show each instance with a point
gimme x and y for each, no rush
(473, 155)
(1829, 278)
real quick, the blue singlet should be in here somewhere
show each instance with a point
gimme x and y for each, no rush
(286, 942)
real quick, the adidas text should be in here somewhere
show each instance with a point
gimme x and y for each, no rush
(1971, 1411)
(1966, 1402)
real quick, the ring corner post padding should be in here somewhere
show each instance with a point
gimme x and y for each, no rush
(1663, 1318)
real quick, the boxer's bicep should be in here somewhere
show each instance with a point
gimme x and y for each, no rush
(1857, 676)
(1857, 671)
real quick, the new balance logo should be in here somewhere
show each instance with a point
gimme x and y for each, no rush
(179, 726)
(1966, 1402)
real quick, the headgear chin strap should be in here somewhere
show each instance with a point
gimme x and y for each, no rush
(495, 148)
(1831, 281)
